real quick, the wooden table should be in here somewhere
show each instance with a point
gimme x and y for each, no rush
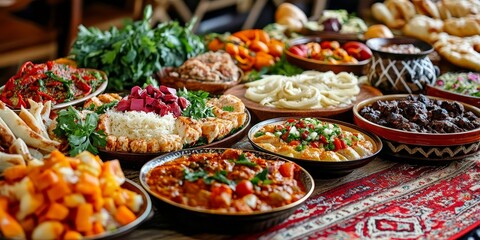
(159, 227)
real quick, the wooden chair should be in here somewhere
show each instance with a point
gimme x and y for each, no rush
(23, 40)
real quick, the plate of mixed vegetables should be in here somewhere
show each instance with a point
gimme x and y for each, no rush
(61, 84)
(461, 86)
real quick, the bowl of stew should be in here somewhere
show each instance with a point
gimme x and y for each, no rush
(225, 190)
(325, 147)
(419, 127)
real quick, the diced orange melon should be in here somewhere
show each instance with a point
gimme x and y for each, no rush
(83, 222)
(124, 216)
(57, 211)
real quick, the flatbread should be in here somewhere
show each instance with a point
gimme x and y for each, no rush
(22, 130)
(6, 135)
(36, 125)
(8, 160)
(20, 147)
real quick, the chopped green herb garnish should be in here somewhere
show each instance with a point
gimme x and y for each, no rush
(243, 160)
(259, 133)
(261, 177)
(228, 108)
(197, 108)
(193, 176)
(219, 176)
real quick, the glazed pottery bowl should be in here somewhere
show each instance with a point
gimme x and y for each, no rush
(323, 168)
(417, 145)
(194, 219)
(400, 72)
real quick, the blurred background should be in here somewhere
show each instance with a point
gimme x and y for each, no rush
(39, 30)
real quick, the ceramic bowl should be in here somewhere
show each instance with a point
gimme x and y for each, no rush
(193, 219)
(323, 169)
(144, 214)
(312, 64)
(100, 89)
(420, 146)
(400, 72)
(137, 160)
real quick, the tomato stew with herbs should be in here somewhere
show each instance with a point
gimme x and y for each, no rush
(49, 81)
(313, 139)
(230, 182)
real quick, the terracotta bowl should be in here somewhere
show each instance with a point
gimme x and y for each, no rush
(195, 84)
(420, 146)
(193, 219)
(324, 169)
(312, 64)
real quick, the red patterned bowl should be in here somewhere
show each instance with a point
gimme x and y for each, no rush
(420, 146)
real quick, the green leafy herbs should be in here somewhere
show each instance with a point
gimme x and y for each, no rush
(80, 131)
(134, 53)
(228, 108)
(102, 108)
(198, 104)
(243, 160)
(193, 176)
(219, 176)
(259, 134)
(261, 178)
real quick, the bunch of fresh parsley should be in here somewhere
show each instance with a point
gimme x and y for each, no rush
(80, 132)
(197, 108)
(134, 53)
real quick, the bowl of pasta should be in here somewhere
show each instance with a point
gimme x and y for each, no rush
(310, 94)
(226, 190)
(325, 147)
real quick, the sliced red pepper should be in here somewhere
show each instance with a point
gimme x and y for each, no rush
(294, 143)
(45, 96)
(338, 144)
(20, 103)
(84, 87)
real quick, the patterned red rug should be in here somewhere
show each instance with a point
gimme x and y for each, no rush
(402, 202)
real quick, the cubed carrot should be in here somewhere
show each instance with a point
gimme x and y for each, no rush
(87, 184)
(3, 203)
(97, 201)
(109, 204)
(83, 221)
(108, 185)
(114, 169)
(73, 162)
(58, 191)
(10, 227)
(57, 156)
(73, 200)
(124, 216)
(98, 227)
(15, 173)
(72, 235)
(46, 179)
(42, 209)
(119, 198)
(57, 211)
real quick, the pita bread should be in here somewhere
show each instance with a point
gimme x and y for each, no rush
(33, 123)
(21, 130)
(6, 135)
(8, 160)
(20, 147)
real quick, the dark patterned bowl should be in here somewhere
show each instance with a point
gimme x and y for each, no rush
(193, 219)
(400, 72)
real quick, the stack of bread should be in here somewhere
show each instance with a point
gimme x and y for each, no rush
(452, 26)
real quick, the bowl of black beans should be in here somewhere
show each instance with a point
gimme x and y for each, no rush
(421, 127)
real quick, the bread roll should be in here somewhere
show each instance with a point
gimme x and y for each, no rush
(424, 28)
(427, 8)
(378, 31)
(463, 27)
(383, 14)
